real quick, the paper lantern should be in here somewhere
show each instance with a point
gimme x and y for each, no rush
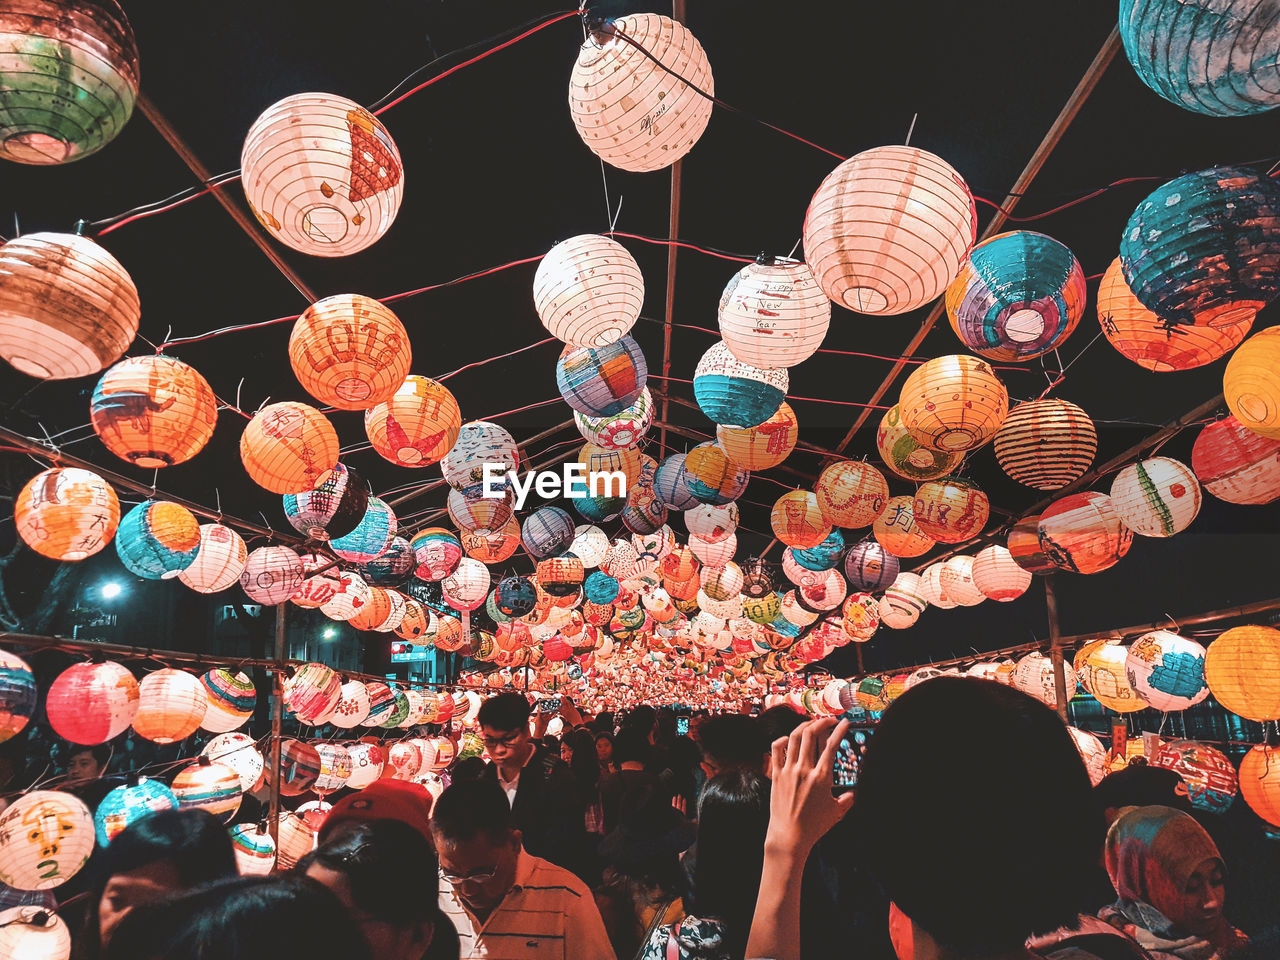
(721, 583)
(33, 933)
(393, 566)
(824, 556)
(349, 351)
(417, 425)
(620, 430)
(317, 589)
(158, 539)
(953, 403)
(931, 588)
(1092, 752)
(895, 529)
(712, 477)
(1204, 240)
(400, 703)
(125, 805)
(239, 752)
(153, 411)
(479, 443)
(797, 521)
(272, 575)
(417, 621)
(1161, 345)
(212, 787)
(851, 493)
(299, 767)
(46, 836)
(561, 576)
(1259, 783)
(229, 699)
(18, 695)
(1018, 296)
(437, 551)
(1083, 533)
(712, 522)
(956, 578)
(371, 536)
(888, 229)
(322, 174)
(714, 554)
(773, 314)
(644, 514)
(1046, 444)
(894, 616)
(736, 394)
(288, 447)
(312, 693)
(1033, 675)
(367, 760)
(671, 483)
(589, 545)
(219, 562)
(950, 509)
(1102, 667)
(1210, 778)
(171, 705)
(254, 850)
(906, 456)
(1157, 497)
(352, 708)
(998, 575)
(602, 381)
(1242, 668)
(763, 446)
(870, 567)
(65, 513)
(67, 307)
(475, 513)
(1209, 58)
(468, 585)
(295, 840)
(333, 508)
(1167, 670)
(588, 290)
(635, 102)
(1251, 383)
(92, 703)
(493, 547)
(336, 768)
(1235, 464)
(826, 592)
(1025, 548)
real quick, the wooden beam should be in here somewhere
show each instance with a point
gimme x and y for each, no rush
(673, 233)
(1056, 656)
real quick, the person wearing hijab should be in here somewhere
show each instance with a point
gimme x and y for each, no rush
(1170, 880)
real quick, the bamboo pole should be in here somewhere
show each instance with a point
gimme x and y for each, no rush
(1056, 656)
(277, 719)
(673, 234)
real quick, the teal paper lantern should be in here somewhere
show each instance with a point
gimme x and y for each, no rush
(18, 695)
(372, 535)
(602, 381)
(736, 394)
(601, 588)
(599, 509)
(128, 804)
(824, 556)
(393, 566)
(158, 539)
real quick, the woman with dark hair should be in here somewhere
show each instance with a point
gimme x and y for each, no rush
(387, 876)
(604, 751)
(585, 768)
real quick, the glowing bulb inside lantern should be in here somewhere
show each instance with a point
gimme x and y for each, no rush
(110, 591)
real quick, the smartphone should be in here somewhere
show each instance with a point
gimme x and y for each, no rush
(682, 726)
(848, 762)
(549, 704)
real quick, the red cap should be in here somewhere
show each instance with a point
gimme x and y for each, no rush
(401, 800)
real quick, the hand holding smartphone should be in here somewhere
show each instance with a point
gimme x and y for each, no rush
(848, 758)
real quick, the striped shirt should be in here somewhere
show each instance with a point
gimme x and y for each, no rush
(548, 914)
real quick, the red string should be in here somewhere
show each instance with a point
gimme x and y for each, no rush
(170, 206)
(531, 406)
(681, 243)
(1068, 204)
(450, 283)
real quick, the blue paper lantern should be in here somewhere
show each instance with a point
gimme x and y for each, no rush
(599, 509)
(870, 567)
(736, 394)
(546, 532)
(333, 509)
(128, 804)
(393, 567)
(158, 539)
(602, 381)
(601, 588)
(824, 556)
(18, 695)
(671, 483)
(515, 596)
(372, 535)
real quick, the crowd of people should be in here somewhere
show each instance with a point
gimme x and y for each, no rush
(973, 833)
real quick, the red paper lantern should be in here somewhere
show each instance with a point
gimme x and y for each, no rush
(1235, 464)
(349, 351)
(92, 702)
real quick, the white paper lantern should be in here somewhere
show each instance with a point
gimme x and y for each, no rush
(349, 599)
(239, 752)
(896, 616)
(254, 849)
(1167, 670)
(46, 836)
(399, 605)
(932, 590)
(271, 575)
(956, 578)
(1092, 752)
(219, 562)
(335, 768)
(1157, 497)
(714, 554)
(468, 586)
(590, 544)
(353, 706)
(367, 761)
(1033, 675)
(322, 174)
(712, 523)
(998, 575)
(825, 591)
(33, 933)
(479, 442)
(316, 589)
(588, 290)
(295, 840)
(773, 314)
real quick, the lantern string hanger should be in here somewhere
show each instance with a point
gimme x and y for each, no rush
(790, 396)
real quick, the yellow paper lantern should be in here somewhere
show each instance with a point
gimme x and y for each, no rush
(1157, 497)
(171, 704)
(1045, 444)
(953, 403)
(888, 230)
(851, 493)
(67, 307)
(322, 174)
(588, 290)
(895, 529)
(417, 426)
(998, 575)
(1251, 383)
(1102, 668)
(773, 313)
(288, 447)
(950, 510)
(1260, 782)
(219, 562)
(46, 837)
(763, 446)
(797, 520)
(153, 411)
(633, 103)
(597, 459)
(1242, 668)
(65, 513)
(906, 456)
(349, 351)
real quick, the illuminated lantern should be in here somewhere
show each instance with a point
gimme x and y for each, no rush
(736, 394)
(393, 566)
(128, 804)
(1209, 58)
(254, 850)
(171, 705)
(239, 752)
(317, 589)
(288, 447)
(714, 554)
(602, 381)
(367, 761)
(416, 622)
(349, 351)
(417, 426)
(932, 590)
(953, 403)
(1045, 444)
(399, 708)
(67, 307)
(721, 583)
(209, 786)
(711, 522)
(763, 446)
(336, 768)
(903, 602)
(1033, 675)
(998, 575)
(640, 103)
(1251, 383)
(826, 592)
(92, 703)
(1092, 752)
(589, 545)
(1083, 533)
(1164, 346)
(1242, 668)
(602, 460)
(1259, 783)
(888, 230)
(322, 174)
(895, 529)
(671, 483)
(906, 456)
(1025, 548)
(644, 514)
(397, 604)
(773, 314)
(219, 562)
(1157, 497)
(480, 514)
(480, 443)
(314, 812)
(372, 535)
(561, 576)
(659, 543)
(712, 477)
(439, 753)
(1167, 670)
(332, 509)
(588, 290)
(621, 561)
(46, 836)
(822, 557)
(438, 551)
(872, 694)
(158, 539)
(18, 695)
(1101, 667)
(352, 708)
(153, 411)
(1203, 240)
(493, 547)
(956, 578)
(950, 509)
(313, 693)
(620, 430)
(851, 493)
(1210, 778)
(33, 933)
(272, 575)
(1235, 464)
(516, 596)
(229, 700)
(861, 614)
(1018, 296)
(468, 585)
(797, 521)
(65, 513)
(382, 702)
(296, 839)
(299, 767)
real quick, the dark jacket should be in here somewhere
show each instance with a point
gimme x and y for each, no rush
(548, 811)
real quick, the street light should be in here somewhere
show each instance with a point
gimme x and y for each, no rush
(110, 590)
(329, 633)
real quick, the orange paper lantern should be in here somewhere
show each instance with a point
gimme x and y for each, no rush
(349, 351)
(1235, 464)
(797, 520)
(171, 704)
(896, 530)
(374, 611)
(851, 493)
(1242, 669)
(1251, 383)
(1260, 782)
(953, 403)
(417, 426)
(288, 447)
(65, 513)
(950, 510)
(153, 411)
(763, 446)
(1045, 444)
(1083, 533)
(1102, 668)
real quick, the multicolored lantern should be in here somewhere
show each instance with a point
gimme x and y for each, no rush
(125, 805)
(437, 551)
(870, 567)
(712, 477)
(46, 837)
(372, 535)
(230, 699)
(736, 394)
(299, 767)
(902, 603)
(219, 561)
(1167, 670)
(254, 849)
(1210, 778)
(212, 787)
(468, 585)
(1259, 782)
(797, 520)
(66, 513)
(288, 447)
(349, 351)
(393, 566)
(998, 575)
(621, 430)
(367, 761)
(153, 411)
(171, 705)
(671, 483)
(953, 403)
(763, 446)
(950, 510)
(822, 557)
(336, 767)
(1235, 464)
(1242, 668)
(773, 314)
(158, 539)
(333, 508)
(272, 575)
(1045, 444)
(1102, 668)
(602, 381)
(296, 839)
(1251, 383)
(92, 703)
(352, 708)
(588, 290)
(493, 547)
(479, 443)
(895, 529)
(1157, 497)
(1083, 533)
(1025, 548)
(18, 695)
(312, 693)
(237, 751)
(317, 588)
(906, 456)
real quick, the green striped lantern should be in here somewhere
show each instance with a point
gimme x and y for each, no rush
(209, 786)
(1157, 497)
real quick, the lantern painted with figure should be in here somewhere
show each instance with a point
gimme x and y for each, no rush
(888, 230)
(336, 767)
(998, 575)
(393, 566)
(588, 290)
(18, 695)
(254, 850)
(480, 443)
(46, 837)
(219, 560)
(721, 583)
(1033, 675)
(870, 567)
(272, 575)
(1260, 782)
(516, 596)
(288, 447)
(371, 536)
(417, 621)
(589, 545)
(1025, 548)
(67, 307)
(1157, 497)
(125, 805)
(638, 92)
(1160, 345)
(493, 547)
(950, 509)
(1083, 533)
(1046, 443)
(1167, 670)
(602, 381)
(476, 513)
(956, 579)
(296, 839)
(1242, 668)
(1209, 776)
(547, 532)
(171, 705)
(333, 508)
(468, 585)
(153, 411)
(92, 703)
(671, 483)
(1092, 752)
(229, 700)
(437, 551)
(734, 393)
(312, 693)
(1206, 239)
(239, 752)
(933, 591)
(712, 477)
(209, 786)
(861, 614)
(1018, 296)
(895, 529)
(906, 456)
(954, 403)
(417, 425)
(1102, 668)
(825, 592)
(66, 513)
(158, 539)
(763, 446)
(1251, 383)
(1235, 464)
(322, 174)
(773, 314)
(299, 767)
(851, 493)
(621, 430)
(349, 351)
(797, 520)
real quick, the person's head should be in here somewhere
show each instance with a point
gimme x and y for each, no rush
(664, 726)
(642, 718)
(631, 745)
(645, 847)
(731, 741)
(87, 763)
(733, 816)
(943, 823)
(245, 918)
(504, 726)
(386, 799)
(603, 721)
(468, 768)
(776, 723)
(1139, 786)
(1160, 856)
(582, 757)
(385, 873)
(604, 746)
(477, 847)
